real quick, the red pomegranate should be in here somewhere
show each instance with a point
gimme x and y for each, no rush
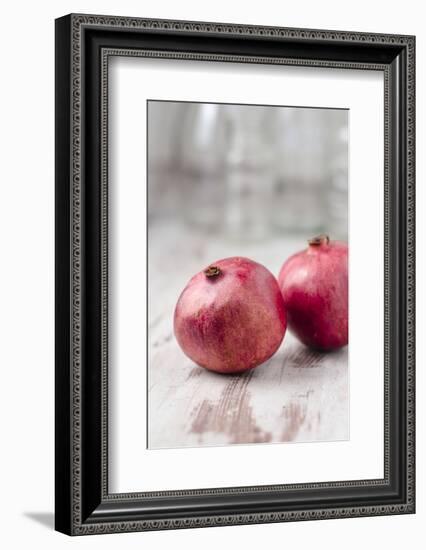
(230, 317)
(314, 286)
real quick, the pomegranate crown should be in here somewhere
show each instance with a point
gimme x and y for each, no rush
(319, 240)
(212, 271)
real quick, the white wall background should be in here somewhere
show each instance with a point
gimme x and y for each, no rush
(26, 289)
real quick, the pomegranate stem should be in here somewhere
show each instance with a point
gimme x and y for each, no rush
(320, 239)
(212, 271)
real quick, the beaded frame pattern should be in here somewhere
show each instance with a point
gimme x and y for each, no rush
(78, 22)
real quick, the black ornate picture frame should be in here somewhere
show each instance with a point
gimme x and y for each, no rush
(84, 43)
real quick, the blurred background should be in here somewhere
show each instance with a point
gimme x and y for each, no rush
(248, 172)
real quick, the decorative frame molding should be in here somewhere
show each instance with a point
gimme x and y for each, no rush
(83, 504)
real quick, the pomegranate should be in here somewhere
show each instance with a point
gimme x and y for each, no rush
(230, 317)
(314, 286)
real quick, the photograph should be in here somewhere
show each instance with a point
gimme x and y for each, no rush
(234, 273)
(210, 297)
(247, 260)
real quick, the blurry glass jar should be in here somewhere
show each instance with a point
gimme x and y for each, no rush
(299, 204)
(202, 164)
(249, 171)
(337, 194)
(163, 193)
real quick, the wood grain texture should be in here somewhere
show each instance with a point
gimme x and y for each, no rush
(298, 395)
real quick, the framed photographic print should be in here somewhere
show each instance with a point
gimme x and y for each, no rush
(234, 274)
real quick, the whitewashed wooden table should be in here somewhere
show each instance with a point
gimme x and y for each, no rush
(298, 395)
